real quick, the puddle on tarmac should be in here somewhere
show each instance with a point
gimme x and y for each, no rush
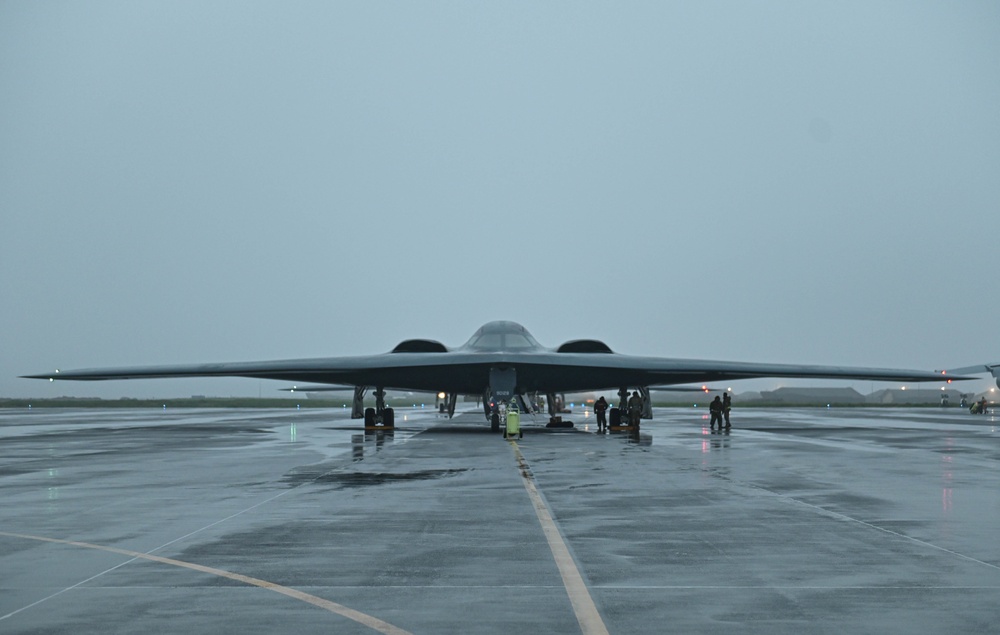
(368, 479)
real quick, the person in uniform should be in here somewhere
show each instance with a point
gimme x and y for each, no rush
(727, 404)
(601, 409)
(715, 409)
(634, 409)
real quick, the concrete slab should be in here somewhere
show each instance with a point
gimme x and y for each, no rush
(821, 521)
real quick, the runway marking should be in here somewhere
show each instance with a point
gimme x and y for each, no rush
(357, 616)
(583, 605)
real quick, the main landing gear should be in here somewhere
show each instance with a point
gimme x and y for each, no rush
(378, 418)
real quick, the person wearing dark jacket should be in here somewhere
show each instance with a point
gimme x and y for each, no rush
(715, 409)
(600, 409)
(634, 409)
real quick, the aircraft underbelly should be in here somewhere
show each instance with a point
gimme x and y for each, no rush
(474, 379)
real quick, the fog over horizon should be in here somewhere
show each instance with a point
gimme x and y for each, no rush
(189, 182)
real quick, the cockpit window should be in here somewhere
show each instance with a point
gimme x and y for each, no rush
(516, 340)
(502, 336)
(490, 341)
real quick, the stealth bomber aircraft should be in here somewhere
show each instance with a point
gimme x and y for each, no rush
(501, 362)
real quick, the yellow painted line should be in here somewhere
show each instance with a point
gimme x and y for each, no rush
(583, 605)
(362, 618)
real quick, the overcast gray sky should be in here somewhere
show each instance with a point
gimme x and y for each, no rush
(233, 181)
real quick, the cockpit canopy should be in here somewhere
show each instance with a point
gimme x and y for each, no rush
(502, 336)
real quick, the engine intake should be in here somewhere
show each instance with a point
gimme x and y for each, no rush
(584, 346)
(420, 346)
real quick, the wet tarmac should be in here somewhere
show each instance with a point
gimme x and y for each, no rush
(275, 521)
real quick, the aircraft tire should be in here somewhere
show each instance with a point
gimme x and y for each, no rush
(495, 423)
(388, 418)
(369, 417)
(614, 417)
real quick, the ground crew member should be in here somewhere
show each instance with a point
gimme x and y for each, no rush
(600, 409)
(634, 409)
(715, 409)
(727, 404)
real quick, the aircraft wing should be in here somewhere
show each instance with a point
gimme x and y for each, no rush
(389, 370)
(502, 357)
(663, 372)
(468, 372)
(993, 369)
(975, 370)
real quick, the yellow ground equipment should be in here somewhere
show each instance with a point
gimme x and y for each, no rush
(513, 422)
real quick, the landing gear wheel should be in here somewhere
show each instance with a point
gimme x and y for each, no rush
(388, 418)
(369, 417)
(495, 423)
(615, 417)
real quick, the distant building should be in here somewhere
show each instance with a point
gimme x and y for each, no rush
(915, 397)
(812, 396)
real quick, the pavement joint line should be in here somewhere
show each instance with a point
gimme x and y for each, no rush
(584, 608)
(339, 609)
(231, 516)
(61, 591)
(897, 534)
(851, 519)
